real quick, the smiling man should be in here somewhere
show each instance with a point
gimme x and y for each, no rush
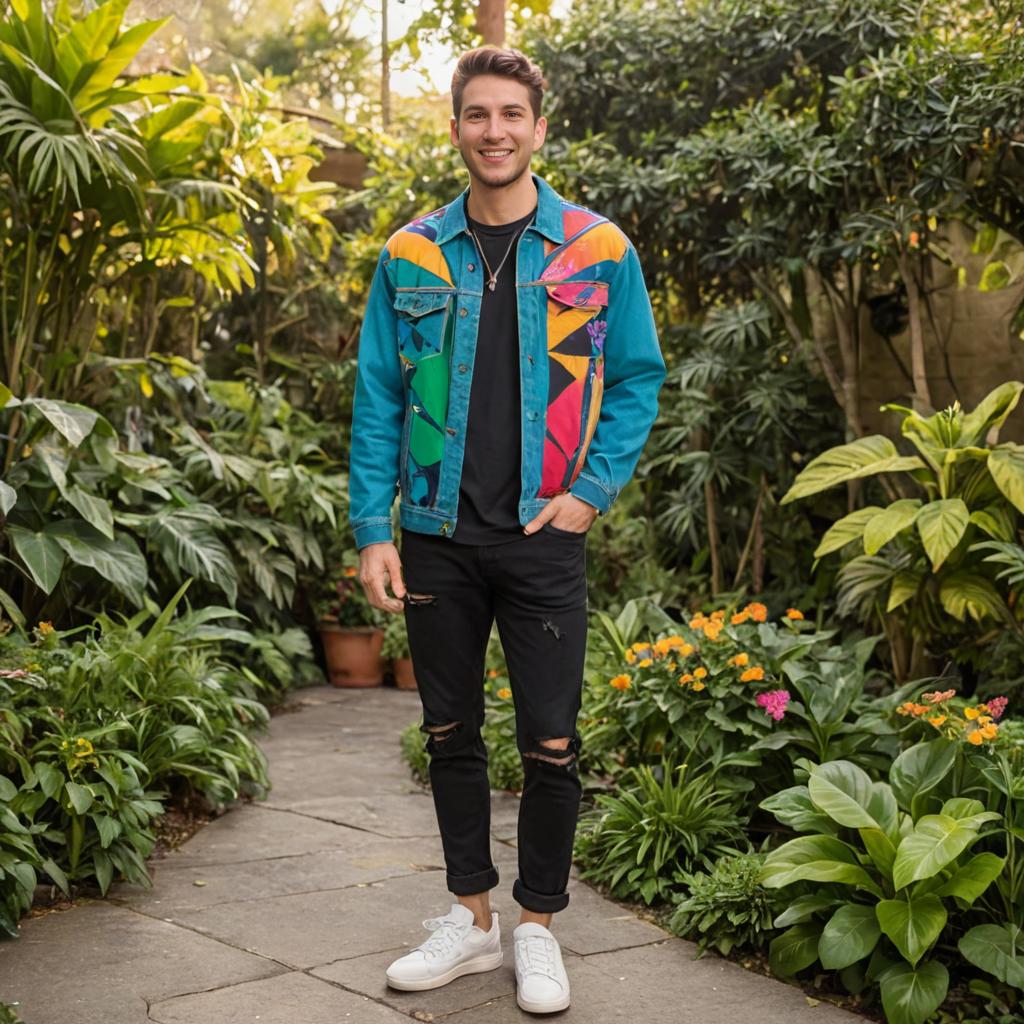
(508, 377)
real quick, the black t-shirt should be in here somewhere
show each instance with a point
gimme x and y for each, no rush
(491, 468)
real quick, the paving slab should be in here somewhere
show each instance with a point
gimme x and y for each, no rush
(99, 962)
(293, 998)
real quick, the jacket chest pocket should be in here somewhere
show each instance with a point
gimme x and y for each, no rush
(422, 317)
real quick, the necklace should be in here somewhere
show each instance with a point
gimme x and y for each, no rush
(492, 275)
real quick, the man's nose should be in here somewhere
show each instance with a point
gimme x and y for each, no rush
(495, 129)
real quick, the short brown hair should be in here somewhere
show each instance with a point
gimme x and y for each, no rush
(493, 60)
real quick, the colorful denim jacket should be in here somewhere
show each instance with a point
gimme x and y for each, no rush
(590, 366)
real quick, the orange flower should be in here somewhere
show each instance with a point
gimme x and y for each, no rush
(937, 720)
(45, 627)
(351, 571)
(758, 612)
(740, 660)
(620, 682)
(719, 615)
(794, 613)
(630, 656)
(644, 663)
(686, 650)
(698, 685)
(989, 731)
(504, 693)
(753, 674)
(700, 673)
(939, 696)
(712, 629)
(975, 737)
(910, 708)
(740, 617)
(492, 673)
(971, 713)
(685, 678)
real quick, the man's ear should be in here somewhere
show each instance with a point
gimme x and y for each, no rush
(454, 126)
(540, 132)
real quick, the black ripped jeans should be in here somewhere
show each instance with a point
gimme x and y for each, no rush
(536, 589)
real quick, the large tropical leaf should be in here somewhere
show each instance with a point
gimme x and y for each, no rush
(911, 996)
(863, 457)
(941, 525)
(1006, 464)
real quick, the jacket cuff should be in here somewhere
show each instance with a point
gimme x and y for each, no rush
(589, 489)
(372, 531)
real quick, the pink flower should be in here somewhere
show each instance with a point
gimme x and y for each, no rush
(774, 703)
(20, 673)
(996, 706)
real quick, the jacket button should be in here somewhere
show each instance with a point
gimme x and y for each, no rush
(463, 367)
(471, 266)
(463, 312)
(532, 414)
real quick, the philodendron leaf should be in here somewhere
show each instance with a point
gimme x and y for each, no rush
(937, 840)
(891, 521)
(842, 790)
(990, 412)
(964, 593)
(1006, 464)
(911, 996)
(42, 555)
(8, 496)
(941, 525)
(913, 925)
(850, 935)
(973, 878)
(921, 768)
(846, 530)
(863, 457)
(794, 949)
(997, 949)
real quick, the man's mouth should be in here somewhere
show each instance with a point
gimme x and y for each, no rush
(495, 156)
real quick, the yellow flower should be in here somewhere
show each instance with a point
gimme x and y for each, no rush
(686, 677)
(700, 673)
(740, 660)
(712, 629)
(644, 662)
(504, 693)
(719, 615)
(753, 674)
(620, 682)
(989, 731)
(686, 650)
(630, 656)
(698, 685)
(971, 713)
(84, 747)
(937, 720)
(671, 666)
(640, 645)
(45, 627)
(794, 613)
(662, 647)
(975, 737)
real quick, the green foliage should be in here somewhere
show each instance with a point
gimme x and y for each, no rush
(640, 841)
(396, 638)
(726, 908)
(920, 562)
(412, 743)
(94, 730)
(888, 861)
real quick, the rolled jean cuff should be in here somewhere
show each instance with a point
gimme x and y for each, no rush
(539, 902)
(470, 885)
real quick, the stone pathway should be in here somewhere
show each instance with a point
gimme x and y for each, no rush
(287, 912)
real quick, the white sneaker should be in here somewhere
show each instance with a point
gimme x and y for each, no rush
(542, 986)
(456, 946)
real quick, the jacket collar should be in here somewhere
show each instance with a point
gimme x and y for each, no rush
(548, 221)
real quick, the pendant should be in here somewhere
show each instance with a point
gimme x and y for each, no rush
(491, 284)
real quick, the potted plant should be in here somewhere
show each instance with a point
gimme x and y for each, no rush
(350, 631)
(396, 649)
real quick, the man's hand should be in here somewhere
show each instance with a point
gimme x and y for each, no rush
(565, 512)
(380, 564)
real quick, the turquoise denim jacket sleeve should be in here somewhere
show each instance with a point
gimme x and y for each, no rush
(378, 413)
(633, 373)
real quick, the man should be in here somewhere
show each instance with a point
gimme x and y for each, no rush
(508, 377)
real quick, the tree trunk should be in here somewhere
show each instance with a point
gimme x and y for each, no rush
(490, 21)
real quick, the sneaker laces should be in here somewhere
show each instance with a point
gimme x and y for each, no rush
(538, 955)
(445, 933)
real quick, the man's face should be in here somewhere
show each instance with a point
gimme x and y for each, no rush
(496, 132)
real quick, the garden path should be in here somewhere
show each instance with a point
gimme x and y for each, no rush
(287, 911)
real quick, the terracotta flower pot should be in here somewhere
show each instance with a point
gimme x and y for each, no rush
(405, 678)
(352, 654)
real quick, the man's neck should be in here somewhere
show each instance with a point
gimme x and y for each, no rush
(501, 205)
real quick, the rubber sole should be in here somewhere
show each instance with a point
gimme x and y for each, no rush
(525, 1004)
(478, 965)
